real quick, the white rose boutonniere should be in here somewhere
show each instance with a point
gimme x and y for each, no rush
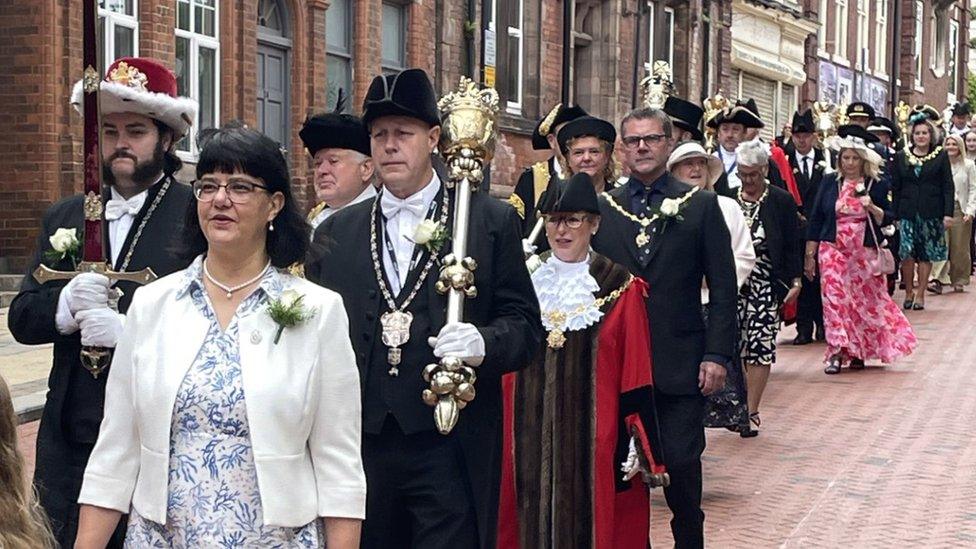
(64, 245)
(670, 207)
(287, 311)
(430, 234)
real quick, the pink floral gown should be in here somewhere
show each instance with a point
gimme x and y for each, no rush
(859, 316)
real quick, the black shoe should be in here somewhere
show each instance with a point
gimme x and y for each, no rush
(908, 304)
(748, 431)
(821, 336)
(856, 364)
(802, 339)
(833, 365)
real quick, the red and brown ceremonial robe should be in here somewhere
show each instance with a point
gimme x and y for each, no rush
(568, 420)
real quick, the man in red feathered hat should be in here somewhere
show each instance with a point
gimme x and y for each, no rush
(142, 119)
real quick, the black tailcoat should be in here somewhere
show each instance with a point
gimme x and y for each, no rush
(505, 311)
(809, 311)
(73, 410)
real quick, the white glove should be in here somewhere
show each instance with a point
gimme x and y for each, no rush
(632, 466)
(86, 291)
(527, 247)
(100, 327)
(462, 340)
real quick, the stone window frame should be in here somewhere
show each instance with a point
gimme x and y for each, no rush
(109, 19)
(651, 58)
(345, 52)
(187, 148)
(392, 66)
(881, 38)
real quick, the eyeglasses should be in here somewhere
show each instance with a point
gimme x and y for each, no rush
(239, 192)
(571, 221)
(634, 141)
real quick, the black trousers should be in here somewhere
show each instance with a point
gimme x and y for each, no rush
(418, 493)
(683, 437)
(809, 309)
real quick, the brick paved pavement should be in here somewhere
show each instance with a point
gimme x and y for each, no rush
(879, 458)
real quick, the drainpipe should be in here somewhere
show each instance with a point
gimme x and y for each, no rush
(567, 48)
(706, 29)
(637, 52)
(895, 72)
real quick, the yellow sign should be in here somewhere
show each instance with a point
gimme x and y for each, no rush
(490, 76)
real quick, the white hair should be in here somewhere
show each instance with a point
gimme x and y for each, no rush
(752, 153)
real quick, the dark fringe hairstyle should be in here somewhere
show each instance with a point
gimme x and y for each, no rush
(235, 148)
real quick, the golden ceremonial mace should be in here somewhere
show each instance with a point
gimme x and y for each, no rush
(468, 144)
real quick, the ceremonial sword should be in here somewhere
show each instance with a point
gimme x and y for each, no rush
(95, 359)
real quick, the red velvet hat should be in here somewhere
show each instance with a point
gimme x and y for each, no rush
(143, 86)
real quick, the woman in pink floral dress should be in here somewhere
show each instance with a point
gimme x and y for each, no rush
(844, 234)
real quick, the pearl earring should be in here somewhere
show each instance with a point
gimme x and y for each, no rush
(271, 225)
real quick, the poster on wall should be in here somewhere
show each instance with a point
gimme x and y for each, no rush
(879, 96)
(828, 82)
(845, 86)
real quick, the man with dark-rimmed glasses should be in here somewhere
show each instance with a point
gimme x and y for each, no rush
(674, 237)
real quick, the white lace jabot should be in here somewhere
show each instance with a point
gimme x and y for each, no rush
(567, 288)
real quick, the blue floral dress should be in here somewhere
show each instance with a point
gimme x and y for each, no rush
(213, 490)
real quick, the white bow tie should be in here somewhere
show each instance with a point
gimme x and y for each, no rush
(392, 205)
(116, 207)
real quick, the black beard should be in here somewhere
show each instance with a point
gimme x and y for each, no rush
(145, 173)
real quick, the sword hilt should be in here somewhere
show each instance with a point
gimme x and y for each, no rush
(43, 273)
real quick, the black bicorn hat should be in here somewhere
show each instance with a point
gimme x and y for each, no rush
(744, 112)
(335, 130)
(855, 130)
(882, 124)
(587, 126)
(558, 115)
(923, 112)
(407, 93)
(577, 195)
(685, 115)
(860, 109)
(803, 122)
(961, 108)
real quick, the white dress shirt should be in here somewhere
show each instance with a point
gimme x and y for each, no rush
(809, 159)
(728, 161)
(743, 251)
(402, 218)
(368, 192)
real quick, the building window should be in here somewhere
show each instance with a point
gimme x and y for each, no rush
(198, 64)
(940, 40)
(118, 31)
(881, 38)
(822, 29)
(840, 29)
(338, 43)
(919, 13)
(776, 101)
(666, 28)
(953, 53)
(514, 66)
(394, 50)
(862, 35)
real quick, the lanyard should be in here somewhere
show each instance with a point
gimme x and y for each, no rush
(391, 250)
(732, 167)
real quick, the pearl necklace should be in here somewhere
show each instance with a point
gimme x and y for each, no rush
(231, 289)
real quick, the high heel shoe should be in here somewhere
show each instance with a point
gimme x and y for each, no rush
(833, 365)
(908, 304)
(748, 431)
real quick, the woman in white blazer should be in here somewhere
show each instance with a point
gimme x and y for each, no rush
(957, 269)
(232, 411)
(690, 163)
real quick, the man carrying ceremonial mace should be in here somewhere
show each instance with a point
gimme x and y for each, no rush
(65, 297)
(431, 483)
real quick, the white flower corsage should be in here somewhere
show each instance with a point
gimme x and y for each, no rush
(287, 311)
(670, 207)
(64, 245)
(430, 234)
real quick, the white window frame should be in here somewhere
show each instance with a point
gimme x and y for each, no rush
(822, 30)
(349, 54)
(881, 38)
(939, 50)
(917, 52)
(515, 33)
(197, 40)
(952, 65)
(863, 30)
(842, 19)
(112, 19)
(404, 17)
(669, 15)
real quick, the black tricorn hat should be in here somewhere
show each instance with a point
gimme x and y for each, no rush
(558, 115)
(578, 195)
(860, 108)
(803, 122)
(407, 93)
(961, 109)
(740, 113)
(587, 126)
(855, 130)
(335, 130)
(882, 124)
(685, 115)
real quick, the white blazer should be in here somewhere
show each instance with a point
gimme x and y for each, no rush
(303, 407)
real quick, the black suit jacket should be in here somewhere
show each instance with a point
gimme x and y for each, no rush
(783, 238)
(931, 194)
(73, 410)
(683, 252)
(505, 311)
(808, 187)
(525, 190)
